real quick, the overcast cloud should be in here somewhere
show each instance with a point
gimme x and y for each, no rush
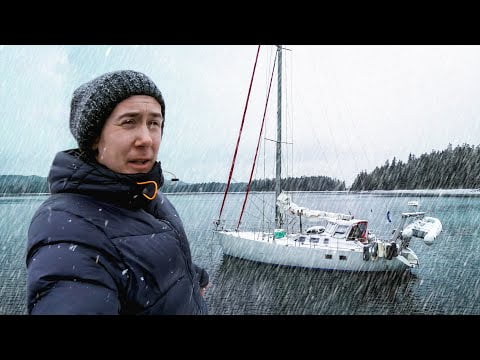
(347, 108)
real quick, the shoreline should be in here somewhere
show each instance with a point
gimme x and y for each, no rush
(401, 193)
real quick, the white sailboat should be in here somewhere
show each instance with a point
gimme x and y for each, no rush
(343, 243)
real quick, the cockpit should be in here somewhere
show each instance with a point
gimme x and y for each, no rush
(349, 230)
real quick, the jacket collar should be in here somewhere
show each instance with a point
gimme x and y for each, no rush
(72, 174)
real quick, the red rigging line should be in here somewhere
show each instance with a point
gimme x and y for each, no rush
(239, 135)
(258, 145)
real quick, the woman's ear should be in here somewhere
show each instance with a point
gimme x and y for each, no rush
(95, 144)
(95, 147)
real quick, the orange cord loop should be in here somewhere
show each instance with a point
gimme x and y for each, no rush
(156, 189)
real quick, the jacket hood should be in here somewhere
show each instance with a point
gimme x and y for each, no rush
(71, 173)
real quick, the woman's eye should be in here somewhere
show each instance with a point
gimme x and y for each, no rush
(127, 122)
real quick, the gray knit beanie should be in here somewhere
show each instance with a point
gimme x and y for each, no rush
(93, 102)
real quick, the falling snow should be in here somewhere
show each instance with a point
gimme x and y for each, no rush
(362, 97)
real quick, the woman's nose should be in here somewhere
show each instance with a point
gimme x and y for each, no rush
(144, 138)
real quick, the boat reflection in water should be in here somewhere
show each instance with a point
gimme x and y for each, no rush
(245, 287)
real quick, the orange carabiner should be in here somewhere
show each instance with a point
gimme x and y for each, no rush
(156, 189)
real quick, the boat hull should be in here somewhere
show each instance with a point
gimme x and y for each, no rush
(238, 245)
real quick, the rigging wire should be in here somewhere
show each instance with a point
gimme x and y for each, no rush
(265, 138)
(286, 118)
(239, 136)
(264, 153)
(291, 109)
(286, 129)
(258, 144)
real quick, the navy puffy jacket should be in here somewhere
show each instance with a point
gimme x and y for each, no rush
(98, 246)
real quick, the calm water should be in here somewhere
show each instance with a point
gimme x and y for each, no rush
(447, 281)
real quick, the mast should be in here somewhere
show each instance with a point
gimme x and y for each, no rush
(278, 172)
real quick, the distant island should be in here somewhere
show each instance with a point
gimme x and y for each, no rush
(452, 168)
(18, 184)
(304, 183)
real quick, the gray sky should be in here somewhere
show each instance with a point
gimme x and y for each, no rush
(347, 108)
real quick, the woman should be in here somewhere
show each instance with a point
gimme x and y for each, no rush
(107, 241)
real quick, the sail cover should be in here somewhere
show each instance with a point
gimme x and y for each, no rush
(285, 202)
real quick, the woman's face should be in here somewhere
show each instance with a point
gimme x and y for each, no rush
(131, 137)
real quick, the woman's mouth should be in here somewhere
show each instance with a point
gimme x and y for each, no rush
(140, 165)
(139, 162)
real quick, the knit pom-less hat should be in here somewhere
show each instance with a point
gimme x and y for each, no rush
(93, 102)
